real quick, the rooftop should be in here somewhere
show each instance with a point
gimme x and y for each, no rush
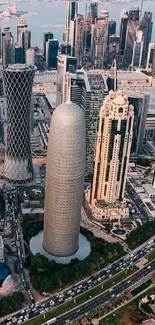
(149, 189)
(131, 76)
(46, 77)
(18, 67)
(95, 81)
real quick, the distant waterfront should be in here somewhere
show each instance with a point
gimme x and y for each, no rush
(46, 14)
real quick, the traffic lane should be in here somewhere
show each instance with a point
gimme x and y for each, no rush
(105, 297)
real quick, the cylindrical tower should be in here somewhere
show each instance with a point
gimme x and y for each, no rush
(18, 81)
(64, 180)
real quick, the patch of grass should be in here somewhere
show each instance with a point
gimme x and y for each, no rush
(112, 320)
(83, 297)
(151, 256)
(141, 288)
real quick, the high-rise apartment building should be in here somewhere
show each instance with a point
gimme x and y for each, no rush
(64, 180)
(133, 21)
(7, 46)
(30, 57)
(23, 37)
(99, 34)
(112, 149)
(17, 82)
(65, 64)
(47, 36)
(52, 47)
(123, 31)
(79, 39)
(88, 90)
(146, 28)
(138, 48)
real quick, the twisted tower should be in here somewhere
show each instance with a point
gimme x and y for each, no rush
(18, 81)
(64, 180)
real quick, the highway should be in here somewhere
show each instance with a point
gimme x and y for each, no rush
(106, 296)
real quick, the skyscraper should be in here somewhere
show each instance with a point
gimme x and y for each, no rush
(146, 28)
(52, 47)
(88, 90)
(18, 81)
(93, 12)
(30, 57)
(111, 29)
(133, 21)
(18, 53)
(23, 37)
(112, 149)
(64, 180)
(65, 64)
(114, 49)
(72, 9)
(99, 36)
(79, 39)
(47, 36)
(7, 46)
(123, 30)
(138, 47)
(150, 55)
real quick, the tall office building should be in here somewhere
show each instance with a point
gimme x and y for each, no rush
(18, 53)
(72, 9)
(133, 21)
(23, 37)
(123, 31)
(112, 149)
(7, 46)
(47, 36)
(18, 81)
(64, 180)
(111, 29)
(114, 49)
(140, 102)
(99, 36)
(66, 49)
(146, 27)
(30, 57)
(52, 47)
(93, 12)
(138, 48)
(79, 39)
(65, 64)
(88, 90)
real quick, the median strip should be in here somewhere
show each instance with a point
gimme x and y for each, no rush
(80, 299)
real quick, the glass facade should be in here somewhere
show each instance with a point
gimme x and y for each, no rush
(18, 81)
